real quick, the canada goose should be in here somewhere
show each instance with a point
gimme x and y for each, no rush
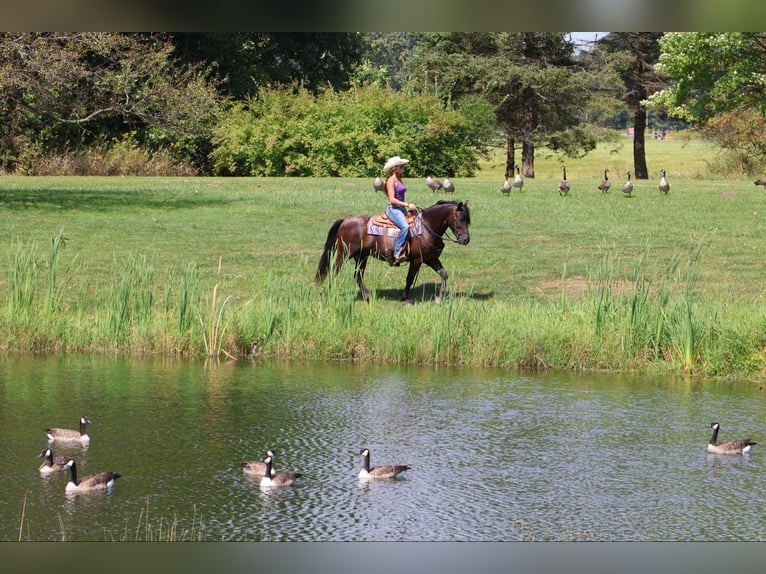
(378, 184)
(564, 183)
(70, 435)
(730, 447)
(448, 186)
(51, 463)
(257, 468)
(505, 189)
(627, 187)
(435, 185)
(663, 186)
(277, 478)
(605, 183)
(518, 181)
(100, 481)
(380, 472)
(761, 181)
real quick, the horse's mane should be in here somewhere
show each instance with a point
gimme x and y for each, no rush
(455, 203)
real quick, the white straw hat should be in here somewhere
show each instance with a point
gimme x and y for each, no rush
(394, 161)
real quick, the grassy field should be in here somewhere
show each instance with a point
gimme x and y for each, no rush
(196, 266)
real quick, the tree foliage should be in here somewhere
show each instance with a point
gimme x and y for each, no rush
(244, 62)
(540, 93)
(712, 72)
(60, 91)
(287, 131)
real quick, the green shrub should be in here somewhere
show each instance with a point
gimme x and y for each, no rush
(289, 132)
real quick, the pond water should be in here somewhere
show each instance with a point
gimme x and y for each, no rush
(496, 456)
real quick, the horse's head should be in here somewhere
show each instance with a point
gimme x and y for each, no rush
(459, 222)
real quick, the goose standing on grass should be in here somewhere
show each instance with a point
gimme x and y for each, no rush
(448, 186)
(70, 435)
(378, 184)
(277, 478)
(741, 446)
(518, 181)
(605, 183)
(663, 186)
(52, 464)
(505, 189)
(257, 468)
(380, 472)
(564, 183)
(100, 481)
(627, 187)
(761, 181)
(432, 183)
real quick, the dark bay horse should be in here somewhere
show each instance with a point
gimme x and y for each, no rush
(349, 238)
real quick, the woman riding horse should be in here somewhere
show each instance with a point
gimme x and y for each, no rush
(350, 239)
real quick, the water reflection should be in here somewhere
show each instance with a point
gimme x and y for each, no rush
(494, 456)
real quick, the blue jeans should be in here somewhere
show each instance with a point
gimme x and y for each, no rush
(396, 214)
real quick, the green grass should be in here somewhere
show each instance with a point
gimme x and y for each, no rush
(215, 266)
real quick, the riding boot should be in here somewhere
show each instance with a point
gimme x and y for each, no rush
(402, 255)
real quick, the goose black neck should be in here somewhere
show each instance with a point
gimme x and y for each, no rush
(367, 462)
(73, 470)
(714, 438)
(267, 472)
(82, 426)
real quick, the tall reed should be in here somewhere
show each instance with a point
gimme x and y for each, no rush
(23, 273)
(166, 530)
(118, 313)
(691, 336)
(212, 334)
(52, 298)
(188, 298)
(132, 297)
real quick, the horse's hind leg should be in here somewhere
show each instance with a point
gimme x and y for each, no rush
(361, 265)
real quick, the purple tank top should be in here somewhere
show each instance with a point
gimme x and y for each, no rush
(399, 191)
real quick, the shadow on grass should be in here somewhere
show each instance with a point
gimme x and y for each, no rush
(426, 292)
(108, 200)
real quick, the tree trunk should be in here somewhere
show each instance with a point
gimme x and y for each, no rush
(528, 128)
(510, 156)
(640, 170)
(528, 159)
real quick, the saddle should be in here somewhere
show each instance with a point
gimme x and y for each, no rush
(381, 224)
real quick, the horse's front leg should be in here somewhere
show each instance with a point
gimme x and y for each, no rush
(411, 274)
(360, 266)
(439, 268)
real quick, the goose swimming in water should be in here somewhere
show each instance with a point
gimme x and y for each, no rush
(70, 435)
(52, 464)
(278, 478)
(380, 472)
(740, 446)
(94, 482)
(257, 468)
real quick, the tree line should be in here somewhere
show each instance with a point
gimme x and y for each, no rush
(300, 104)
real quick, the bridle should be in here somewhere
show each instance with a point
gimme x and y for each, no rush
(449, 228)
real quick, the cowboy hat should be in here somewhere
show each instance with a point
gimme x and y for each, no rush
(394, 161)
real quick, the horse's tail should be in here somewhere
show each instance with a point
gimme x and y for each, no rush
(324, 261)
